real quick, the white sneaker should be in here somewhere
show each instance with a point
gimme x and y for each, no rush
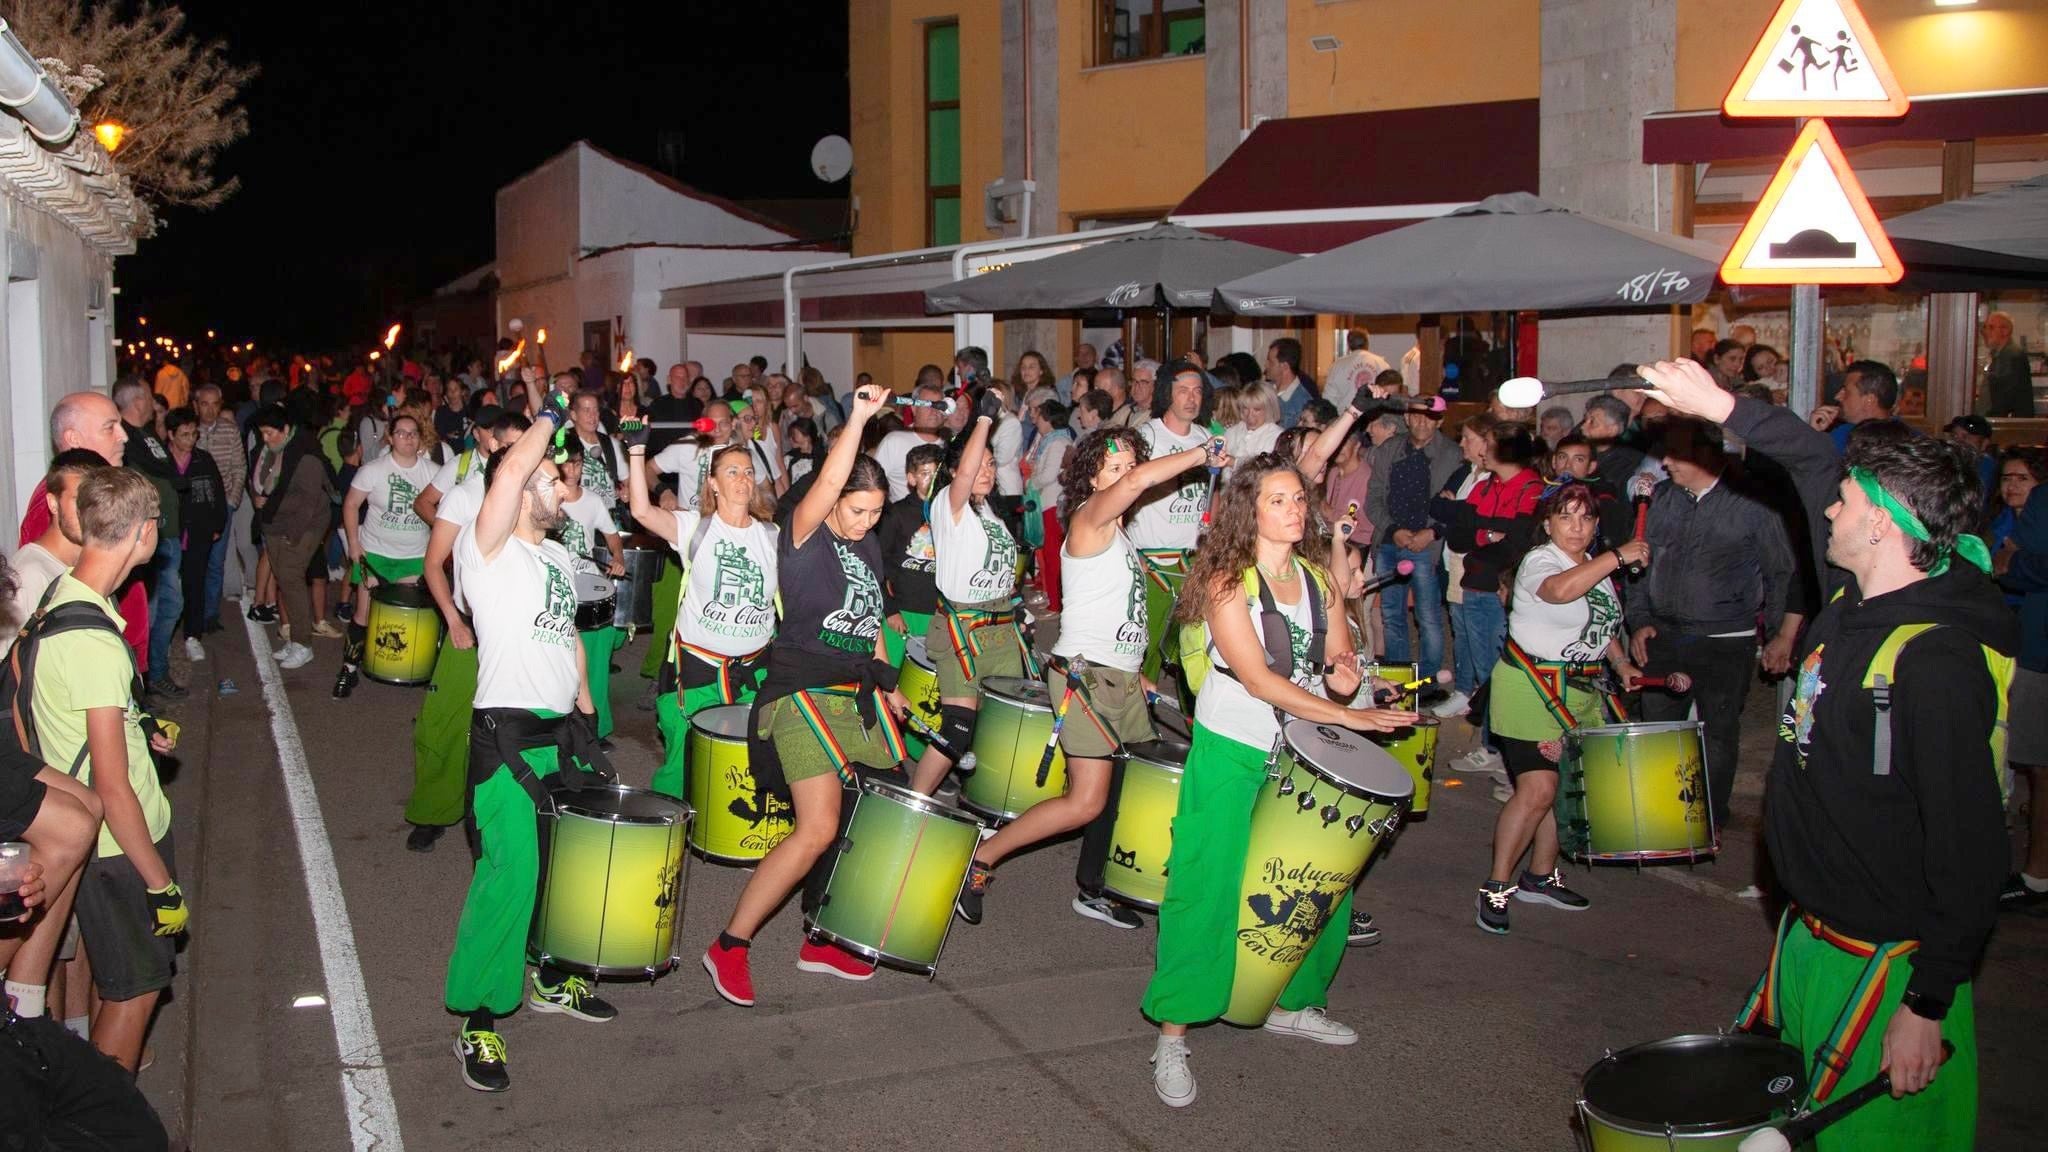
(1478, 761)
(294, 656)
(1171, 1076)
(1503, 792)
(1456, 704)
(194, 651)
(1750, 893)
(1311, 1024)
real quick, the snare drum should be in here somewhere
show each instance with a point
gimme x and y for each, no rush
(596, 601)
(1009, 741)
(613, 892)
(919, 683)
(1142, 837)
(1313, 829)
(1634, 792)
(900, 867)
(404, 635)
(1701, 1093)
(737, 822)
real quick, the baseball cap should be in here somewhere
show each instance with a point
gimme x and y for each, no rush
(1973, 424)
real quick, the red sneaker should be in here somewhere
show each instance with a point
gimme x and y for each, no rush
(830, 960)
(729, 973)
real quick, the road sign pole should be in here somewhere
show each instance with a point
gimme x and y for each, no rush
(1807, 378)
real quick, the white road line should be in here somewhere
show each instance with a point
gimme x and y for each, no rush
(1685, 879)
(365, 1085)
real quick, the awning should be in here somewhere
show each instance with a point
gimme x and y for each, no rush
(1705, 136)
(1311, 183)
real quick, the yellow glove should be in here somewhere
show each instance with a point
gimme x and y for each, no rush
(167, 905)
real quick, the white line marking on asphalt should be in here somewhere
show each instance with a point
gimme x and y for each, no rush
(365, 1086)
(1687, 880)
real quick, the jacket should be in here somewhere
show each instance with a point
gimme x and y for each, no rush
(302, 502)
(203, 504)
(148, 455)
(2028, 576)
(1507, 507)
(1715, 562)
(1444, 460)
(1807, 458)
(222, 440)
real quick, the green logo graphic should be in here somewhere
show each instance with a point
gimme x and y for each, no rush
(737, 580)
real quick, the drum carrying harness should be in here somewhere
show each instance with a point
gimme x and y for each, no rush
(1197, 659)
(724, 668)
(1831, 1059)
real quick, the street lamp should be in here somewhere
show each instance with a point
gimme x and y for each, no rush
(111, 134)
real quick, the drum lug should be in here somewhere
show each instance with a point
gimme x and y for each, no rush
(1287, 786)
(1307, 801)
(1331, 814)
(1355, 824)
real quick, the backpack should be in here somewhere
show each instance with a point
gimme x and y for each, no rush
(17, 675)
(1884, 672)
(1196, 660)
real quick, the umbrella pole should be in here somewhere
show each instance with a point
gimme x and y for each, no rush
(1166, 341)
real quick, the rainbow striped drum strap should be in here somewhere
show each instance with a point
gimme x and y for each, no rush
(1163, 562)
(728, 689)
(1831, 1058)
(963, 623)
(1549, 677)
(814, 716)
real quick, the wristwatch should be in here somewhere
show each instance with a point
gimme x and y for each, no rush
(1923, 1006)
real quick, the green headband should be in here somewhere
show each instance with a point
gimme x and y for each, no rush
(1969, 546)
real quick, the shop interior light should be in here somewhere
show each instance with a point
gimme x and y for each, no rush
(1955, 3)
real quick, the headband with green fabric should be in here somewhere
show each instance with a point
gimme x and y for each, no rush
(1967, 545)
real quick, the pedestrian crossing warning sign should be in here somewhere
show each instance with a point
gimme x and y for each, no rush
(1814, 225)
(1816, 58)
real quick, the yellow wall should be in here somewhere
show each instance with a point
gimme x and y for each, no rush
(1996, 44)
(1132, 136)
(1411, 54)
(896, 361)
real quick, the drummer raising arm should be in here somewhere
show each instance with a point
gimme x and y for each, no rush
(1097, 660)
(1260, 517)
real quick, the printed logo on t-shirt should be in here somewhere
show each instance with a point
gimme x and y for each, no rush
(854, 625)
(1796, 727)
(740, 605)
(1188, 502)
(556, 622)
(1603, 616)
(574, 537)
(998, 572)
(921, 555)
(397, 515)
(597, 470)
(1131, 634)
(1297, 643)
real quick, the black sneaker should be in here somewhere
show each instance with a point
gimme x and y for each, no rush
(968, 905)
(483, 1061)
(572, 997)
(1363, 934)
(422, 837)
(1551, 890)
(1099, 907)
(167, 688)
(2018, 894)
(345, 683)
(1493, 906)
(346, 610)
(262, 613)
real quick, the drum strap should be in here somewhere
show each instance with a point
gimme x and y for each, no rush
(1075, 673)
(963, 623)
(1549, 678)
(1159, 563)
(728, 672)
(814, 716)
(1831, 1059)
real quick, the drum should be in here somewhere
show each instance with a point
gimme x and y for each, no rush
(1413, 748)
(612, 894)
(1142, 837)
(1313, 829)
(900, 867)
(1697, 1093)
(404, 635)
(1634, 792)
(736, 823)
(635, 590)
(919, 683)
(596, 601)
(1009, 741)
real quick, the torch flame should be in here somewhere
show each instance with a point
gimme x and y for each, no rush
(506, 361)
(541, 337)
(626, 360)
(391, 338)
(375, 356)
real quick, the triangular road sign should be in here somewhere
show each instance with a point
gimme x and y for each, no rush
(1816, 58)
(1813, 225)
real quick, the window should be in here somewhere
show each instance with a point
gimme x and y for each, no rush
(942, 134)
(1147, 29)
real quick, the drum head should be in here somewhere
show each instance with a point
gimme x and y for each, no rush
(915, 801)
(1696, 1083)
(625, 805)
(1626, 730)
(592, 586)
(914, 651)
(1348, 759)
(1019, 691)
(726, 721)
(403, 595)
(1164, 753)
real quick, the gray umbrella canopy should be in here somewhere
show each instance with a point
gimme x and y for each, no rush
(1995, 240)
(1512, 251)
(1164, 267)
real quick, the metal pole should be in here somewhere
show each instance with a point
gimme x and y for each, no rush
(1806, 348)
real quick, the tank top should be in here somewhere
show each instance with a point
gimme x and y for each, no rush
(1104, 599)
(1224, 706)
(832, 611)
(1170, 515)
(977, 557)
(729, 606)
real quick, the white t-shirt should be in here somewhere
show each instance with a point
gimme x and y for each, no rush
(1578, 631)
(390, 526)
(1349, 373)
(1243, 443)
(589, 518)
(525, 619)
(35, 569)
(892, 454)
(468, 466)
(977, 556)
(1225, 708)
(1169, 516)
(729, 606)
(1006, 443)
(459, 507)
(767, 457)
(1103, 602)
(689, 466)
(602, 461)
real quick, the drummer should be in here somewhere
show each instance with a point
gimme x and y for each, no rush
(829, 700)
(586, 519)
(529, 676)
(910, 589)
(1260, 518)
(1565, 616)
(388, 544)
(1165, 524)
(1101, 645)
(717, 652)
(975, 634)
(686, 460)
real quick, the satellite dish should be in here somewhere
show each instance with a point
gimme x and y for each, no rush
(832, 159)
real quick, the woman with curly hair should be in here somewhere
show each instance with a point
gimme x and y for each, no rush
(1098, 657)
(1260, 518)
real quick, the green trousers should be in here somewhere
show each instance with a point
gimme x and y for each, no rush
(672, 712)
(914, 624)
(668, 591)
(1197, 951)
(1815, 979)
(488, 967)
(440, 740)
(598, 646)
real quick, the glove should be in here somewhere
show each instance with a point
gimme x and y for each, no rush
(555, 403)
(633, 432)
(988, 403)
(168, 910)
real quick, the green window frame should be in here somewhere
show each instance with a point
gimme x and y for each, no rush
(942, 132)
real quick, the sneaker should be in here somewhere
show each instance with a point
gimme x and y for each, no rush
(346, 610)
(195, 651)
(1750, 893)
(1477, 762)
(262, 613)
(167, 688)
(422, 837)
(1363, 934)
(1493, 906)
(294, 656)
(1106, 910)
(483, 1061)
(326, 630)
(1551, 890)
(730, 974)
(572, 997)
(831, 960)
(948, 792)
(968, 903)
(1503, 792)
(1171, 1076)
(345, 682)
(2020, 891)
(1456, 704)
(1311, 1024)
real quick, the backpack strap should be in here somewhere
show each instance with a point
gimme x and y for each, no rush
(1883, 675)
(42, 624)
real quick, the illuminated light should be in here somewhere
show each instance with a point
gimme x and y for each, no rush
(209, 333)
(142, 320)
(375, 356)
(110, 134)
(626, 360)
(506, 361)
(1954, 3)
(310, 1000)
(541, 337)
(391, 337)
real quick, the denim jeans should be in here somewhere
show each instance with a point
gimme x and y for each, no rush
(1477, 626)
(166, 604)
(216, 567)
(1427, 583)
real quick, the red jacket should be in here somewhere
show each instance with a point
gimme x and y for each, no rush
(134, 598)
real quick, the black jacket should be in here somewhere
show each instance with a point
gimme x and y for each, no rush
(1809, 461)
(910, 581)
(203, 505)
(151, 457)
(1715, 562)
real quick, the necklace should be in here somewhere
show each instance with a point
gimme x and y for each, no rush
(1282, 577)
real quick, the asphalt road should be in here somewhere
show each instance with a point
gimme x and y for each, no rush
(1029, 1037)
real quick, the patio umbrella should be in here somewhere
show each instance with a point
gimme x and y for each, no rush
(1164, 267)
(1997, 240)
(1509, 252)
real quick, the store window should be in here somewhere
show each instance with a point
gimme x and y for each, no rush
(2011, 363)
(1128, 30)
(942, 133)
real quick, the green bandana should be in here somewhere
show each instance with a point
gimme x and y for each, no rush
(1969, 546)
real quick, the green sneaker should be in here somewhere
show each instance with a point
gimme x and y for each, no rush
(572, 997)
(483, 1061)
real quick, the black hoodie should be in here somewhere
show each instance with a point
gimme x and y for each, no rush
(1918, 854)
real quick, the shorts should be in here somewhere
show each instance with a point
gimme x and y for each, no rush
(2026, 736)
(21, 797)
(1002, 654)
(1114, 701)
(1521, 756)
(801, 749)
(128, 958)
(389, 570)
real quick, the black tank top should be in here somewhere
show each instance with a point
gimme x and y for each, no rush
(831, 612)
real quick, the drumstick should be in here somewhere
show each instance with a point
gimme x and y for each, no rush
(1075, 667)
(1215, 446)
(1800, 1129)
(1389, 695)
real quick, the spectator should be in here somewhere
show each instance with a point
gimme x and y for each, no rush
(1554, 425)
(221, 438)
(1870, 392)
(1091, 409)
(1123, 410)
(203, 510)
(1356, 368)
(1760, 363)
(1257, 426)
(295, 516)
(1491, 527)
(1144, 380)
(1084, 361)
(1725, 361)
(1042, 494)
(2022, 568)
(924, 429)
(2005, 385)
(1703, 341)
(1604, 425)
(1406, 473)
(145, 452)
(1283, 371)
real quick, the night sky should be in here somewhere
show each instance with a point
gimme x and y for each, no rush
(379, 133)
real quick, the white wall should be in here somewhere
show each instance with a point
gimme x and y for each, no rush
(831, 352)
(622, 206)
(46, 342)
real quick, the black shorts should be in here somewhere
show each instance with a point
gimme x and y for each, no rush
(1522, 756)
(21, 794)
(128, 958)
